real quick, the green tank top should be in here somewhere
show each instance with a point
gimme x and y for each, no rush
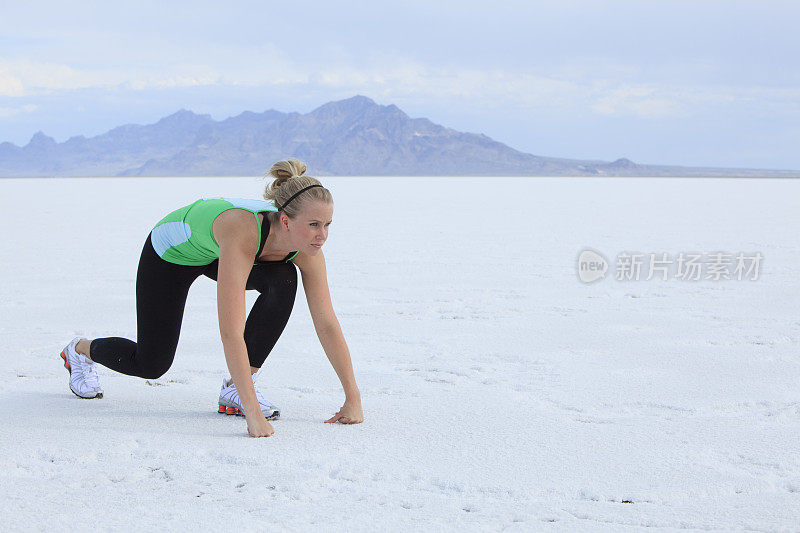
(185, 236)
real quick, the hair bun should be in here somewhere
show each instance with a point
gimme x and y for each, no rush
(285, 170)
(290, 182)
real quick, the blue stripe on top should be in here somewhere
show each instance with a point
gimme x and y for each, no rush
(248, 203)
(169, 234)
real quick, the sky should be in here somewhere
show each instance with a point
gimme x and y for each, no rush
(698, 83)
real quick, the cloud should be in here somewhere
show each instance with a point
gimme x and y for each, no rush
(8, 112)
(171, 81)
(32, 76)
(10, 85)
(403, 80)
(400, 80)
(643, 101)
(651, 101)
(28, 78)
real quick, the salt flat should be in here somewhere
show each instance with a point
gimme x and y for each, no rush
(500, 392)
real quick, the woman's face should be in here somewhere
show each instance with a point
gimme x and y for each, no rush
(308, 231)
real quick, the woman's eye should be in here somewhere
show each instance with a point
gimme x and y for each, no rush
(314, 224)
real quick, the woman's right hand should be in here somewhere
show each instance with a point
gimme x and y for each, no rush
(257, 426)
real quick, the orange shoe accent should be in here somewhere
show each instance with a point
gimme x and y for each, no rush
(230, 410)
(221, 409)
(66, 363)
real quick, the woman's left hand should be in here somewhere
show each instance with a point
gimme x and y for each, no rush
(350, 413)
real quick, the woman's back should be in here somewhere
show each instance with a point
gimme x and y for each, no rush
(185, 236)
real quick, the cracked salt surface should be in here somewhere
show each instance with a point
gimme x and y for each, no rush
(500, 393)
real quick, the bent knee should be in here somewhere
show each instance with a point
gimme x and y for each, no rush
(152, 374)
(153, 371)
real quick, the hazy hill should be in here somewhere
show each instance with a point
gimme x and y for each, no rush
(355, 136)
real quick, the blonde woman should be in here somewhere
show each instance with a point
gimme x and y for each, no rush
(242, 244)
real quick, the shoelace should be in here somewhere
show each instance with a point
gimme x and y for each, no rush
(235, 396)
(92, 379)
(89, 372)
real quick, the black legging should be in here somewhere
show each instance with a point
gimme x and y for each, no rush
(161, 290)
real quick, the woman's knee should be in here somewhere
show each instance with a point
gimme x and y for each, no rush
(154, 363)
(154, 371)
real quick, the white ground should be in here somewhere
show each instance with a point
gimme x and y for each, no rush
(500, 392)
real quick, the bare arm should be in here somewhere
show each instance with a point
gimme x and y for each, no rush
(237, 234)
(315, 283)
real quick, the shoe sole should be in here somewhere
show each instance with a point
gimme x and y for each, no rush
(69, 369)
(225, 410)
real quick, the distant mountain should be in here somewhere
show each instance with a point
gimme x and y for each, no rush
(355, 136)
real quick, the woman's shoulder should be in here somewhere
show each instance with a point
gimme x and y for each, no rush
(235, 225)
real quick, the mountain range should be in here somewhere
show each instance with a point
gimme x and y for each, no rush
(355, 136)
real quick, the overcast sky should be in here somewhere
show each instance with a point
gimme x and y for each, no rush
(701, 82)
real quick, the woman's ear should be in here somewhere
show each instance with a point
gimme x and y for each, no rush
(284, 221)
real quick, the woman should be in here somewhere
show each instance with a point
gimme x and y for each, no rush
(242, 244)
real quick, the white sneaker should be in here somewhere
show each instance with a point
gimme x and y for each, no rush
(229, 402)
(83, 379)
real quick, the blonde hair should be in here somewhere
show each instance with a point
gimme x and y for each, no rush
(289, 179)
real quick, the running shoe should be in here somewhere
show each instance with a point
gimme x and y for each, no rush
(83, 379)
(229, 402)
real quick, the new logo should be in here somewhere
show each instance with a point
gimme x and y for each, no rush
(591, 266)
